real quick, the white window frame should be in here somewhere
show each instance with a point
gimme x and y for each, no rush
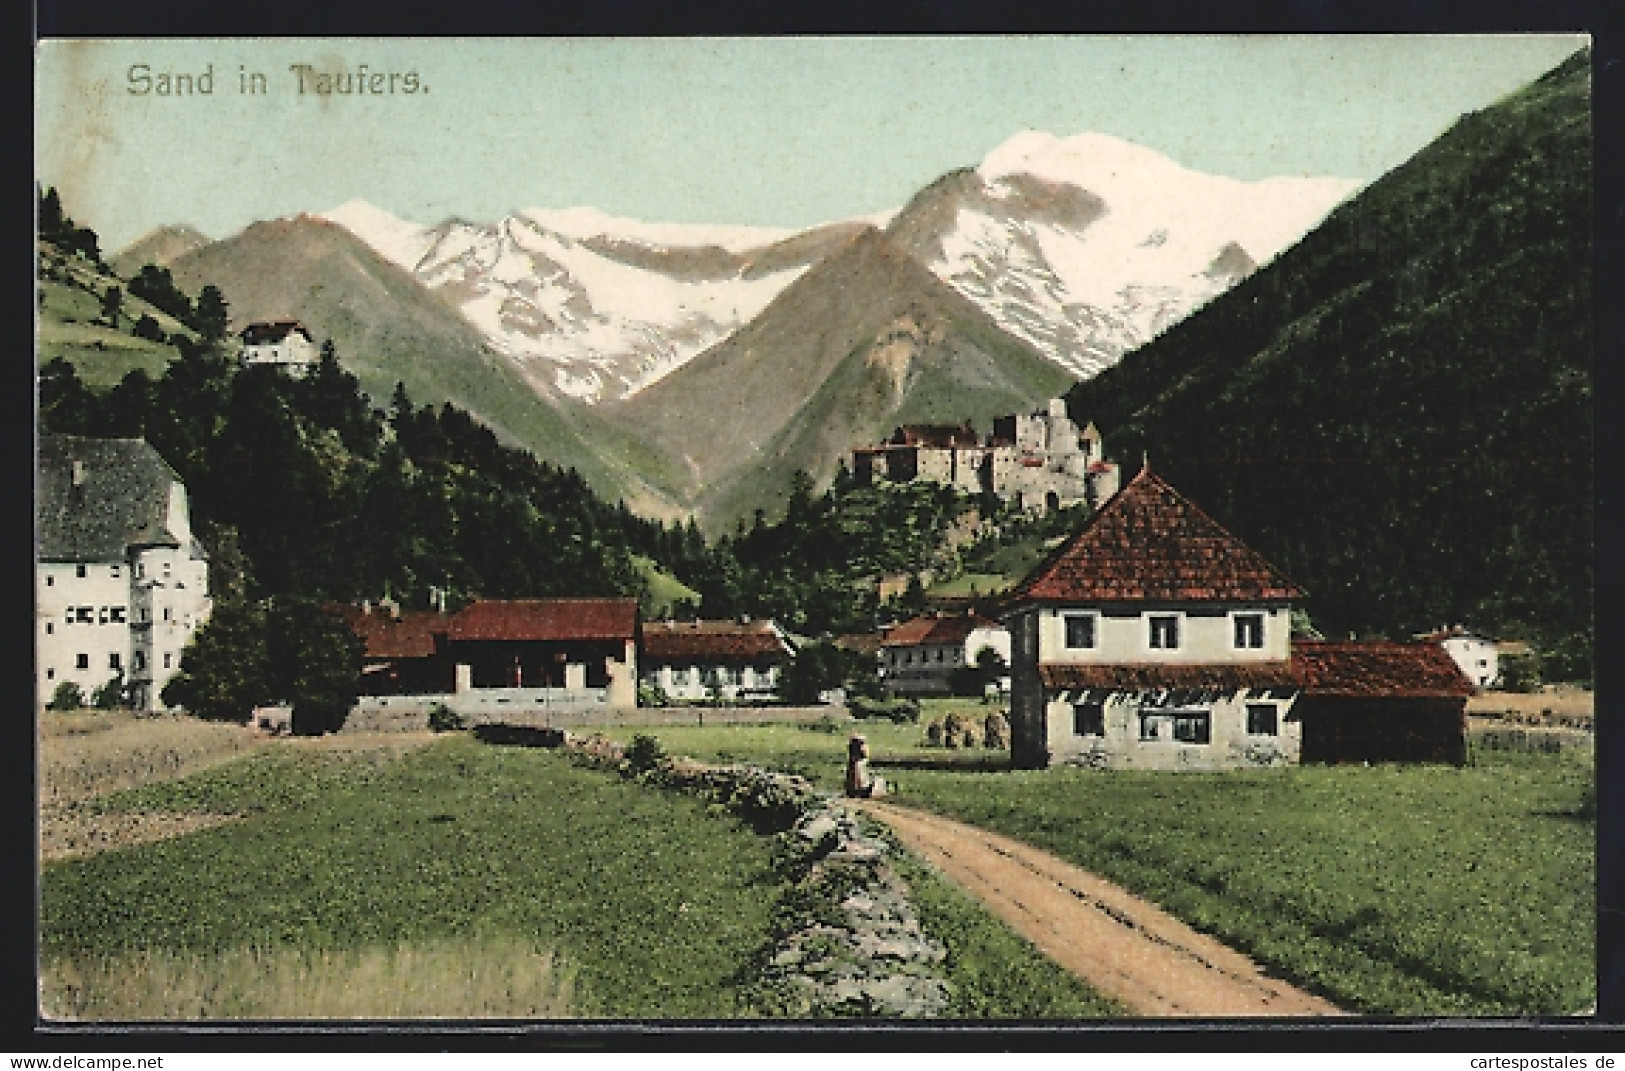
(1178, 617)
(1263, 629)
(1093, 617)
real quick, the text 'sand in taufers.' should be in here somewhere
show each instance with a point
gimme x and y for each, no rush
(302, 79)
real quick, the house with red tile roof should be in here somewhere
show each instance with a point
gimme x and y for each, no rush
(1154, 638)
(500, 655)
(586, 649)
(697, 660)
(1381, 702)
(400, 654)
(922, 656)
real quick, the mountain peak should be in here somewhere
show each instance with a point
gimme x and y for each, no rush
(1082, 159)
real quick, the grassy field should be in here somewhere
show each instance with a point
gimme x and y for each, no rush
(71, 327)
(378, 876)
(655, 902)
(1411, 890)
(495, 978)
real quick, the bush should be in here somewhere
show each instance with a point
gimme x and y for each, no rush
(110, 696)
(67, 697)
(900, 709)
(652, 695)
(443, 719)
(644, 753)
(933, 733)
(148, 328)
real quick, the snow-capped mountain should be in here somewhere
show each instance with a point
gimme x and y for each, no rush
(598, 306)
(1085, 247)
(1089, 246)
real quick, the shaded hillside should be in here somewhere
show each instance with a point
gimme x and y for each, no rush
(389, 328)
(866, 339)
(1398, 410)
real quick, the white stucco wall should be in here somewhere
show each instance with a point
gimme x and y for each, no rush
(1477, 659)
(1122, 745)
(688, 683)
(1206, 635)
(62, 598)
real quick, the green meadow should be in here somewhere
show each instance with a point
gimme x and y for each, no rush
(1391, 890)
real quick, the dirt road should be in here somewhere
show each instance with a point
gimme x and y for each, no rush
(1123, 946)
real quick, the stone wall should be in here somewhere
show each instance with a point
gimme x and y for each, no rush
(848, 940)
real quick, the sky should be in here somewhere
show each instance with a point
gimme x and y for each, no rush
(783, 132)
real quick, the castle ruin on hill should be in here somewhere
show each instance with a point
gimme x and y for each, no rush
(1040, 461)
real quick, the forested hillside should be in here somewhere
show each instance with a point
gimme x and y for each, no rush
(1398, 411)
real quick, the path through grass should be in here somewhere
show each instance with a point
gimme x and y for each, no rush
(1412, 890)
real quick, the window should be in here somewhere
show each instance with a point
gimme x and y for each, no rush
(79, 571)
(1080, 630)
(50, 627)
(166, 613)
(1261, 719)
(167, 657)
(1193, 727)
(50, 674)
(166, 570)
(1249, 631)
(115, 614)
(81, 661)
(85, 615)
(140, 570)
(112, 571)
(141, 660)
(50, 581)
(1088, 719)
(113, 661)
(101, 616)
(939, 654)
(1153, 726)
(1164, 632)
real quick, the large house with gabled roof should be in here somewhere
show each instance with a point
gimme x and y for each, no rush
(121, 584)
(1154, 638)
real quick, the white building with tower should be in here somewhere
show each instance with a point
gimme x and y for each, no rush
(121, 584)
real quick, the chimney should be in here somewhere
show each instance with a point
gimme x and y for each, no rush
(78, 473)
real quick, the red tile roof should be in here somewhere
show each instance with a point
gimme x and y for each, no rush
(934, 435)
(712, 641)
(411, 635)
(545, 619)
(862, 642)
(924, 631)
(1134, 676)
(1150, 543)
(1367, 670)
